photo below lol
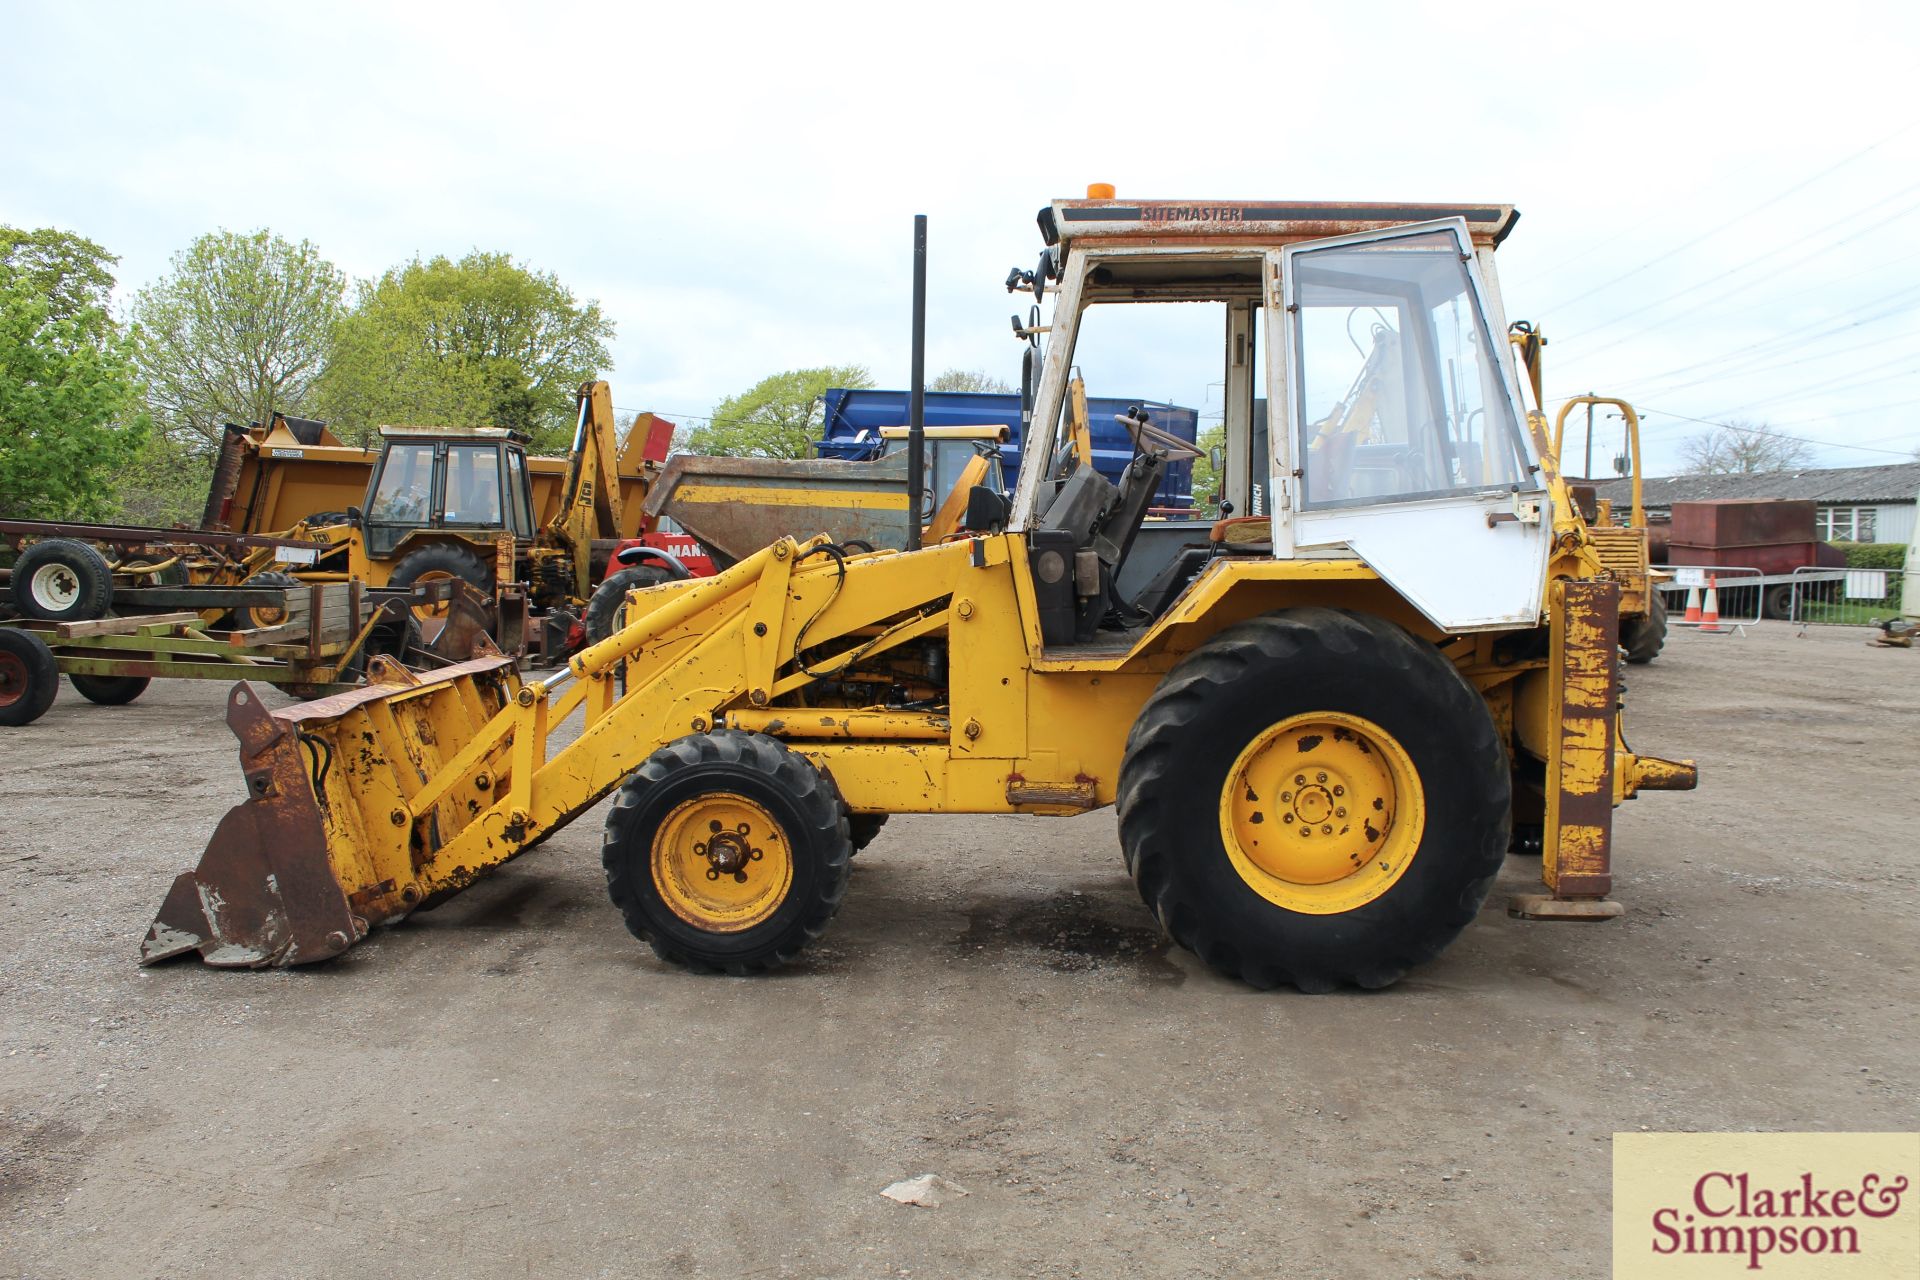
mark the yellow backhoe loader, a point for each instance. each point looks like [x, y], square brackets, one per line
[1323, 722]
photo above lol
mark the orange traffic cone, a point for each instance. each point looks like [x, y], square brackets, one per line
[1693, 605]
[1710, 613]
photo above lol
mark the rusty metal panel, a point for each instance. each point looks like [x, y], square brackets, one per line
[1583, 703]
[1271, 221]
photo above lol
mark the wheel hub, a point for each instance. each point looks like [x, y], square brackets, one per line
[1322, 812]
[721, 862]
[13, 679]
[55, 587]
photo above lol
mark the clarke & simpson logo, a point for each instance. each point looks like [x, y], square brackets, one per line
[1784, 1205]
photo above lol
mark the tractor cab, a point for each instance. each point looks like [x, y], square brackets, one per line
[470, 482]
[1358, 403]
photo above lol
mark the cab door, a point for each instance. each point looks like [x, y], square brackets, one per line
[1401, 438]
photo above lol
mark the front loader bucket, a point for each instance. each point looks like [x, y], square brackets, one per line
[330, 841]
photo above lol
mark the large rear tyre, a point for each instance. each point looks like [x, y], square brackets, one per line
[1314, 797]
[864, 828]
[1644, 637]
[110, 691]
[62, 580]
[727, 852]
[437, 562]
[29, 677]
[610, 597]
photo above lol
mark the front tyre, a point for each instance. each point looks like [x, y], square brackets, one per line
[1315, 797]
[727, 852]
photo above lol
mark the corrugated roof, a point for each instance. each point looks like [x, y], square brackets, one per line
[1896, 483]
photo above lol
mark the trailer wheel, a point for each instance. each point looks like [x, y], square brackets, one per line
[603, 611]
[1314, 797]
[62, 580]
[110, 691]
[727, 852]
[29, 677]
[1778, 601]
[1644, 637]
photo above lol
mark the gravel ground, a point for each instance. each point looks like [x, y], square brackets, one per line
[511, 1086]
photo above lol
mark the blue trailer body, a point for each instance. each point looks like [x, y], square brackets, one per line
[854, 419]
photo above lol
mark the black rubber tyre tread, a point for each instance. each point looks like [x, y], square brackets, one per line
[1250, 676]
[799, 795]
[86, 564]
[446, 557]
[864, 828]
[42, 677]
[110, 691]
[1644, 637]
[398, 641]
[243, 618]
[604, 607]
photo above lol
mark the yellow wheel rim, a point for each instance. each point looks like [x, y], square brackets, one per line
[1322, 812]
[427, 613]
[721, 862]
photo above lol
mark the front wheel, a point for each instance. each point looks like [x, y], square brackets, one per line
[727, 852]
[1315, 797]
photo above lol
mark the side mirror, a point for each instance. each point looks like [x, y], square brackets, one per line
[1216, 458]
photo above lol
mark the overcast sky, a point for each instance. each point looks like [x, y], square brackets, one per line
[1721, 202]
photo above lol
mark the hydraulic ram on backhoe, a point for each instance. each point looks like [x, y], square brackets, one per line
[1323, 726]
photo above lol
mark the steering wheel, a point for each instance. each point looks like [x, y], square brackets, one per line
[1146, 436]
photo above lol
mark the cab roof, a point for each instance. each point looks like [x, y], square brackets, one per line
[1269, 220]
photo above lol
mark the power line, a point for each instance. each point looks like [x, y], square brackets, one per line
[1741, 217]
[1822, 250]
[1781, 435]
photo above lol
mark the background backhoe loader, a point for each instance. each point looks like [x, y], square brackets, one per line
[1321, 727]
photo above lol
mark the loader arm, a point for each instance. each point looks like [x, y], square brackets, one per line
[369, 804]
[590, 503]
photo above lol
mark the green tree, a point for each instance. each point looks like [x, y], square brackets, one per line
[236, 332]
[479, 342]
[1206, 481]
[780, 416]
[71, 272]
[970, 380]
[70, 407]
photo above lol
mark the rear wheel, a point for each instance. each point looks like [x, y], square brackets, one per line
[1645, 636]
[1314, 797]
[62, 580]
[610, 597]
[726, 851]
[437, 563]
[256, 617]
[110, 691]
[29, 677]
[864, 828]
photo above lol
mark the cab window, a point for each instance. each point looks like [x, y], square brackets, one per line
[473, 485]
[1399, 392]
[405, 490]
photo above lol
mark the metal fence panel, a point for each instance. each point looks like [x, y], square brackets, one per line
[1849, 597]
[1740, 593]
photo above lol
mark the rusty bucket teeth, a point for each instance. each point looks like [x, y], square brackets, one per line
[264, 892]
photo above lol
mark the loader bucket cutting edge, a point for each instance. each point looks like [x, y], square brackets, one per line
[291, 875]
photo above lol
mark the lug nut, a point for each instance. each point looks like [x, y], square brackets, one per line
[1319, 777]
[1339, 790]
[1299, 779]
